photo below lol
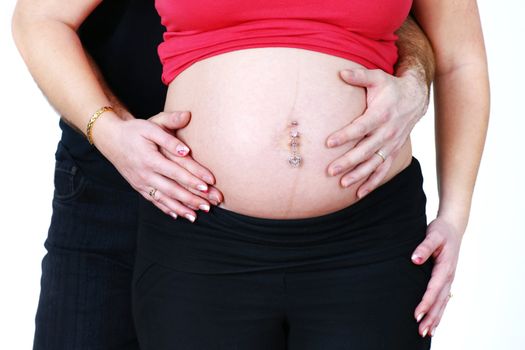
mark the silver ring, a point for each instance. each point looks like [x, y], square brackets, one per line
[152, 193]
[381, 154]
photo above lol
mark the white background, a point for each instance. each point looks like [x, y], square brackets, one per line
[487, 309]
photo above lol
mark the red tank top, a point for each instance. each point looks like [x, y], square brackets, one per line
[358, 30]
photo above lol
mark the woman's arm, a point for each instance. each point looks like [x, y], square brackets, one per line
[45, 33]
[462, 113]
[394, 106]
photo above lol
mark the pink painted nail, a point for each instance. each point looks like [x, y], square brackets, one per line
[182, 150]
[202, 188]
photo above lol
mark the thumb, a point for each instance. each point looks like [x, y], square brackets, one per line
[358, 77]
[171, 120]
[425, 249]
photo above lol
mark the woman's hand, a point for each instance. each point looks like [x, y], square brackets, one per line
[156, 164]
[394, 106]
[442, 242]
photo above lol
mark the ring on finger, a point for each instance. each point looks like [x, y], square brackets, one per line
[381, 154]
[152, 193]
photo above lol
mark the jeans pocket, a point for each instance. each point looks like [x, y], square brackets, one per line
[68, 179]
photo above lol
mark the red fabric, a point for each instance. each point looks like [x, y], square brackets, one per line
[358, 30]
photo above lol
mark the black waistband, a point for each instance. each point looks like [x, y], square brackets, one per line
[390, 220]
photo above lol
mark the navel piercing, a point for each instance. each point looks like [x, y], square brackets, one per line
[294, 159]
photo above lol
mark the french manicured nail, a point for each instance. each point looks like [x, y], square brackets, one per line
[204, 207]
[190, 217]
[202, 188]
[425, 332]
[336, 170]
[416, 258]
[420, 316]
[173, 215]
[332, 143]
[433, 331]
[182, 150]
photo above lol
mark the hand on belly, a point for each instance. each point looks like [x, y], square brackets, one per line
[243, 104]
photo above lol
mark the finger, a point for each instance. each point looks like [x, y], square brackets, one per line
[362, 171]
[425, 249]
[173, 206]
[432, 316]
[361, 77]
[175, 172]
[439, 316]
[191, 166]
[357, 155]
[435, 285]
[166, 140]
[214, 196]
[173, 190]
[159, 205]
[358, 129]
[171, 120]
[376, 178]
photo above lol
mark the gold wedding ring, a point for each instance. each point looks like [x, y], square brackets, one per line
[381, 154]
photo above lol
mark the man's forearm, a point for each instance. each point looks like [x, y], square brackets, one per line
[415, 52]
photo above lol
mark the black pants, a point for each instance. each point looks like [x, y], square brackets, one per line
[338, 281]
[85, 298]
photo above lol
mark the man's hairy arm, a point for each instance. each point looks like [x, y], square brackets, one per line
[415, 52]
[394, 105]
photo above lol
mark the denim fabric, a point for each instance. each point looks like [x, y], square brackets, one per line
[85, 299]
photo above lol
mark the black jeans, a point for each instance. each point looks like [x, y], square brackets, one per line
[85, 299]
[341, 281]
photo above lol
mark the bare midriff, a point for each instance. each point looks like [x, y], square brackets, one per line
[242, 107]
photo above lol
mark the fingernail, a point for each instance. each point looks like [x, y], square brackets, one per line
[332, 142]
[420, 316]
[362, 193]
[203, 188]
[347, 182]
[336, 170]
[182, 150]
[347, 73]
[433, 331]
[416, 258]
[215, 198]
[208, 179]
[204, 207]
[184, 114]
[190, 217]
[425, 332]
[173, 215]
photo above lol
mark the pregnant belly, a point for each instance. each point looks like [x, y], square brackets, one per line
[243, 104]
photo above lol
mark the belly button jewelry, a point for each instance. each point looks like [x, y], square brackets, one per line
[294, 159]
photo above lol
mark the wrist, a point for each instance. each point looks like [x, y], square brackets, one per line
[105, 129]
[456, 216]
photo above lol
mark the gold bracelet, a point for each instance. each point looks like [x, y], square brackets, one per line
[95, 116]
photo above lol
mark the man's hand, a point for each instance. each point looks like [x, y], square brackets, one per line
[394, 106]
[156, 164]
